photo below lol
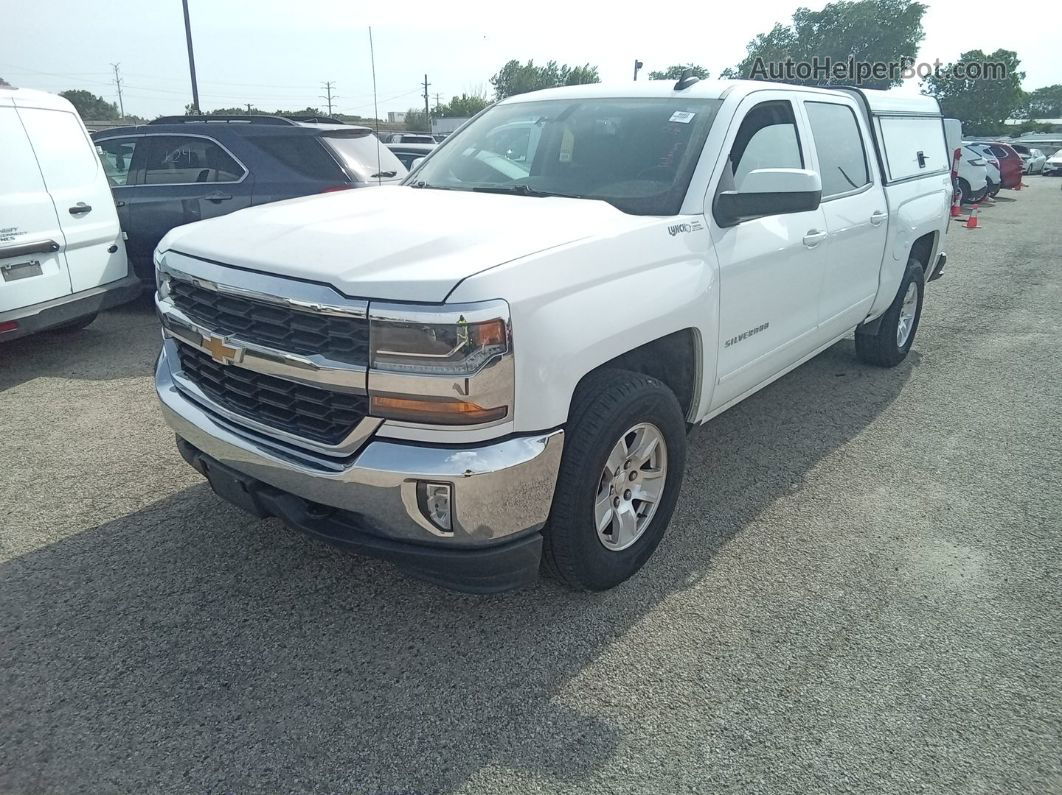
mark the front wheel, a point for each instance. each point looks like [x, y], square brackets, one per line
[624, 457]
[890, 341]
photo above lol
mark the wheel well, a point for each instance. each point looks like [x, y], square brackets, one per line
[922, 250]
[671, 359]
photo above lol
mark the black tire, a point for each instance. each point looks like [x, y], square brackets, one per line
[963, 187]
[605, 405]
[993, 188]
[980, 195]
[879, 347]
[76, 324]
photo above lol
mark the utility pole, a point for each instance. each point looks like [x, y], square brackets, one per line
[637, 65]
[328, 86]
[118, 85]
[191, 58]
[427, 113]
[436, 101]
[248, 108]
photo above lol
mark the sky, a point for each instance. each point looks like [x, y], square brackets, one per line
[277, 53]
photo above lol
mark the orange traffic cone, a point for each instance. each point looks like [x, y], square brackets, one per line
[955, 211]
[971, 222]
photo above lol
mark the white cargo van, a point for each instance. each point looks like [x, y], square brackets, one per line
[62, 258]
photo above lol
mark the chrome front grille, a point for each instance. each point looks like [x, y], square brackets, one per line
[306, 411]
[341, 338]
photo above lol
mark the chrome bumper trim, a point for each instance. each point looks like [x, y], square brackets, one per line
[500, 489]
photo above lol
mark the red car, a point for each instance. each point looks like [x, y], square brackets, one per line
[1011, 166]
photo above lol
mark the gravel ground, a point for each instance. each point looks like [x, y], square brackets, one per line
[860, 590]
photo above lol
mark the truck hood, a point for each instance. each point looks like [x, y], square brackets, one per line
[396, 243]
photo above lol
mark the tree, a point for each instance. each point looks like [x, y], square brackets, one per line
[867, 31]
[417, 120]
[89, 106]
[982, 105]
[463, 106]
[516, 78]
[1044, 103]
[676, 71]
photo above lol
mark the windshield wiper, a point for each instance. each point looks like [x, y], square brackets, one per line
[379, 174]
[519, 190]
[422, 184]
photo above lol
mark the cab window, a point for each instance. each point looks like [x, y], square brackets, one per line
[842, 156]
[767, 138]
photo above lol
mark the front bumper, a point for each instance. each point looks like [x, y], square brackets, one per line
[49, 314]
[501, 492]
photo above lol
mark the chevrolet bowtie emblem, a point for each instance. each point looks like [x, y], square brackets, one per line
[220, 352]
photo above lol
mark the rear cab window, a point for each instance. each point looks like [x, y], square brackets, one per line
[839, 144]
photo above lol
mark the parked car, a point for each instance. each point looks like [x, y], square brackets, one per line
[1053, 164]
[1009, 162]
[971, 176]
[507, 355]
[62, 259]
[409, 138]
[408, 153]
[180, 169]
[1032, 159]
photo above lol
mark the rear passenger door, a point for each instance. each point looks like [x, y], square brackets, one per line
[853, 202]
[32, 268]
[185, 178]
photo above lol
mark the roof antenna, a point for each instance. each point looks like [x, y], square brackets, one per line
[375, 109]
[685, 81]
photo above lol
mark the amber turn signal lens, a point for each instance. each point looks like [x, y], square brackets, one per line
[441, 412]
[490, 333]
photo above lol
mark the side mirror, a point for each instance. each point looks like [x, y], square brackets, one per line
[769, 191]
[416, 163]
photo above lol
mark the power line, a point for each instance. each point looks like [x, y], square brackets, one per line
[328, 86]
[118, 85]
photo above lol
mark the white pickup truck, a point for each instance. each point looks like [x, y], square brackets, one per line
[495, 365]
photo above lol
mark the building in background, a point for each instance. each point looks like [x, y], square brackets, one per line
[440, 128]
[396, 116]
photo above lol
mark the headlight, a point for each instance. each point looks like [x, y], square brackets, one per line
[455, 348]
[441, 365]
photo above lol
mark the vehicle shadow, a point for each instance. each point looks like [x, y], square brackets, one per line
[120, 343]
[187, 646]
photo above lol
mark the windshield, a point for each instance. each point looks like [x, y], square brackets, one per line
[638, 154]
[359, 156]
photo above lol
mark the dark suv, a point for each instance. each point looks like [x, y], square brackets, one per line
[180, 169]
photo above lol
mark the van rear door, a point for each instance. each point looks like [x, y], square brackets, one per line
[80, 194]
[32, 267]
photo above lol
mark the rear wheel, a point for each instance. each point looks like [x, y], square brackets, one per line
[993, 188]
[624, 455]
[890, 340]
[963, 187]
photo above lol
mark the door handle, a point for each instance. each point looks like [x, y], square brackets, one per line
[217, 196]
[80, 208]
[119, 203]
[877, 217]
[21, 250]
[813, 237]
